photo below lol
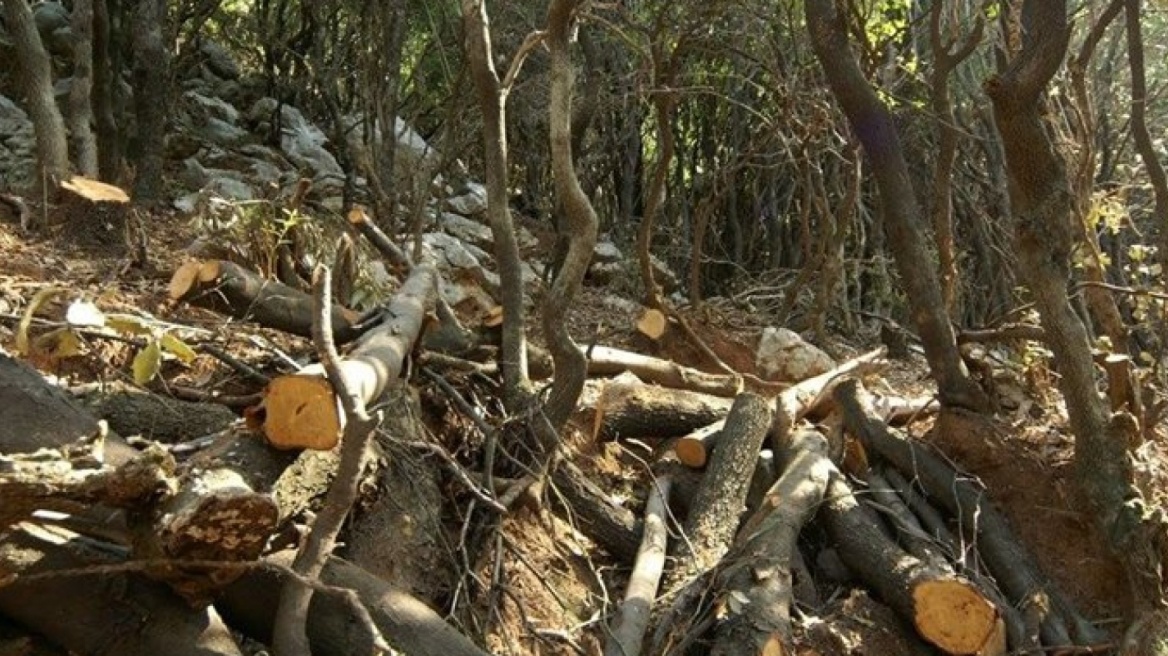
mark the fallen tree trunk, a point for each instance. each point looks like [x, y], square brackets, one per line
[637, 410]
[628, 629]
[132, 412]
[1011, 564]
[947, 610]
[805, 398]
[608, 361]
[301, 409]
[587, 507]
[758, 571]
[405, 622]
[100, 613]
[230, 289]
[720, 500]
[38, 415]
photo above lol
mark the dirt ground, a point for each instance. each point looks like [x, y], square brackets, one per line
[559, 588]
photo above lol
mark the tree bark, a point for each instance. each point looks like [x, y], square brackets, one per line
[151, 74]
[106, 70]
[301, 409]
[636, 410]
[37, 74]
[721, 499]
[874, 128]
[1041, 204]
[1011, 564]
[947, 610]
[493, 106]
[1139, 123]
[230, 289]
[405, 621]
[761, 563]
[101, 614]
[578, 227]
[628, 629]
[80, 101]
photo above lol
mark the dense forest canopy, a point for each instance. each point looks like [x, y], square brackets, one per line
[951, 174]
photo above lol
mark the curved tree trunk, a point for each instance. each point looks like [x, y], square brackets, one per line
[1042, 206]
[873, 126]
[579, 222]
[493, 103]
[37, 74]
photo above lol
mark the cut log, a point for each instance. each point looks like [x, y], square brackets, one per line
[1011, 564]
[628, 629]
[132, 412]
[608, 361]
[687, 481]
[758, 572]
[721, 499]
[38, 415]
[811, 398]
[100, 613]
[637, 410]
[652, 323]
[71, 479]
[693, 450]
[947, 610]
[301, 410]
[406, 622]
[586, 506]
[230, 289]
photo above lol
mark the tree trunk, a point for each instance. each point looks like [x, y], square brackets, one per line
[106, 69]
[1041, 204]
[80, 105]
[493, 105]
[1139, 123]
[37, 75]
[873, 125]
[151, 77]
[579, 222]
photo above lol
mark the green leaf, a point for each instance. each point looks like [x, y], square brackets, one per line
[147, 363]
[178, 348]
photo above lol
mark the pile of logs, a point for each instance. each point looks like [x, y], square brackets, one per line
[745, 465]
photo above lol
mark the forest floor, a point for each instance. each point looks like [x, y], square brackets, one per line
[560, 586]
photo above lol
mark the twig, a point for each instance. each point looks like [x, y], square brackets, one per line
[290, 637]
[461, 474]
[246, 370]
[628, 629]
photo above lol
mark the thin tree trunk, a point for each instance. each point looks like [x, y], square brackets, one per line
[37, 75]
[80, 104]
[873, 125]
[579, 222]
[493, 105]
[106, 64]
[1139, 123]
[945, 59]
[151, 96]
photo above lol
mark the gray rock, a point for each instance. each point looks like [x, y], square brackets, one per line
[228, 187]
[466, 229]
[784, 355]
[213, 106]
[606, 252]
[301, 141]
[219, 59]
[472, 200]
